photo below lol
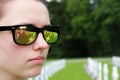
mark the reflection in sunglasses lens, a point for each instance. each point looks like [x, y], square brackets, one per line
[24, 37]
[50, 36]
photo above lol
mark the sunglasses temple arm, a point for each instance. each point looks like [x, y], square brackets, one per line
[5, 28]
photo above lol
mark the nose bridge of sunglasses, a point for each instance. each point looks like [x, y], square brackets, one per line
[40, 36]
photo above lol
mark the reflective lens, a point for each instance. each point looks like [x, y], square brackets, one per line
[24, 36]
[27, 34]
[50, 36]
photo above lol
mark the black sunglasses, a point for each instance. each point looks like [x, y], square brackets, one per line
[27, 34]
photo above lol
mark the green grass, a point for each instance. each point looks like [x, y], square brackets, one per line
[110, 71]
[75, 70]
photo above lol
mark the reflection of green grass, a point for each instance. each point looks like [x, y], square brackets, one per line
[73, 71]
[110, 71]
[50, 36]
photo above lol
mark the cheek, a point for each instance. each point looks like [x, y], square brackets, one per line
[8, 49]
[12, 57]
[6, 39]
[8, 54]
[5, 45]
[46, 52]
[8, 59]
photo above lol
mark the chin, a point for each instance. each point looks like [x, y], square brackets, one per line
[33, 73]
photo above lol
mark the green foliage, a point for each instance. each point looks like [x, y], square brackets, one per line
[87, 30]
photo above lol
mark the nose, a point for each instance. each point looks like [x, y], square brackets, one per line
[40, 43]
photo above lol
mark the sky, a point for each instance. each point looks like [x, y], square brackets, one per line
[56, 0]
[48, 0]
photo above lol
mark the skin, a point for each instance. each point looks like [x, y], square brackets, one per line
[15, 61]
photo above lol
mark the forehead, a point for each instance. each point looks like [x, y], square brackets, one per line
[26, 9]
[24, 3]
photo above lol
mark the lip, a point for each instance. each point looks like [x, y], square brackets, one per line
[37, 60]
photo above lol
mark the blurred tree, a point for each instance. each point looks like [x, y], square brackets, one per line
[93, 26]
[87, 29]
[59, 16]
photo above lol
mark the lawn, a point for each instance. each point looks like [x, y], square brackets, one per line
[75, 70]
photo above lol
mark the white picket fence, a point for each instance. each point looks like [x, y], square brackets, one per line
[116, 61]
[49, 69]
[96, 69]
[92, 68]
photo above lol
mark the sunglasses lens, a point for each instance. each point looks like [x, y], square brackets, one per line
[50, 36]
[24, 36]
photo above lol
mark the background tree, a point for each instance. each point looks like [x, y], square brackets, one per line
[87, 29]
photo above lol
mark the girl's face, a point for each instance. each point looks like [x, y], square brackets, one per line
[17, 60]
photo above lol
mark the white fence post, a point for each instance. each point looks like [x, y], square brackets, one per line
[115, 74]
[95, 69]
[49, 69]
[99, 71]
[116, 61]
[30, 78]
[92, 68]
[105, 71]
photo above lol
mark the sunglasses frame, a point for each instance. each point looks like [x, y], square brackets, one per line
[34, 29]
